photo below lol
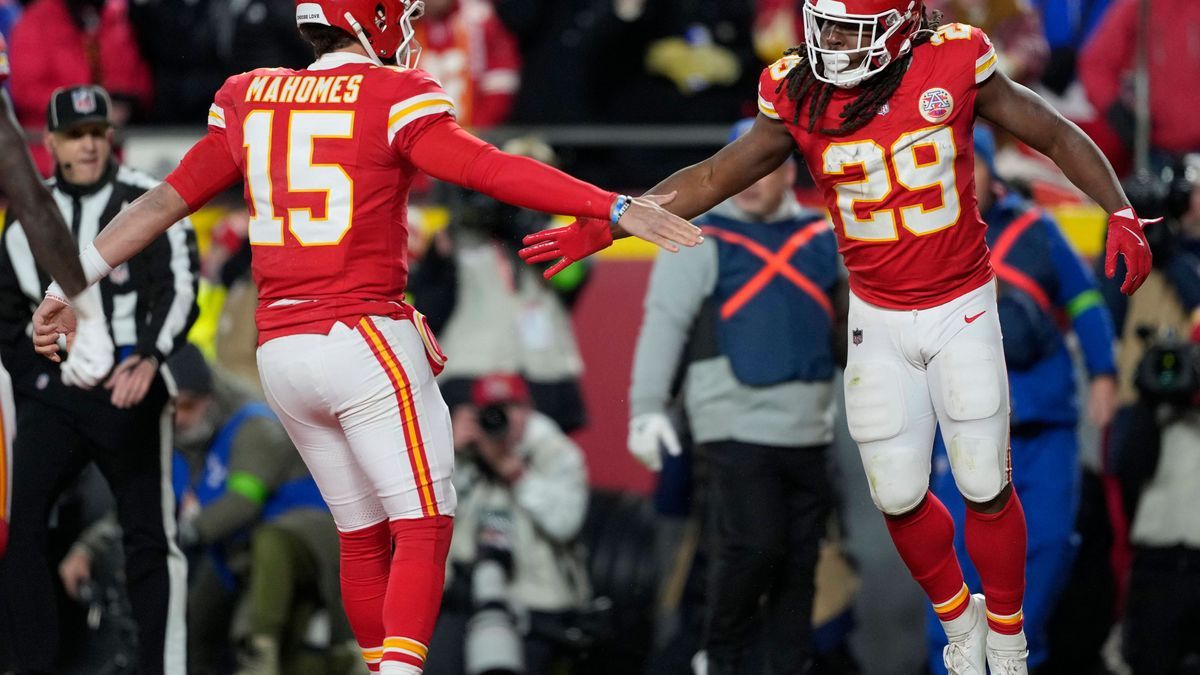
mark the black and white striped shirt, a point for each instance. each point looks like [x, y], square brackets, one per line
[150, 300]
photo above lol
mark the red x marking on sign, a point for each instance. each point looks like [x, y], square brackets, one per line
[774, 264]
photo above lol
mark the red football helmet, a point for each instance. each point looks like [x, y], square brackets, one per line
[384, 27]
[871, 34]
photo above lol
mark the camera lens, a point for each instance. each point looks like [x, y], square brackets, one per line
[493, 420]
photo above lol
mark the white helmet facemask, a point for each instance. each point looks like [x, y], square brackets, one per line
[409, 51]
[873, 30]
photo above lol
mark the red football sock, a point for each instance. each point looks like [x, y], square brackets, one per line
[925, 541]
[414, 594]
[996, 544]
[3, 537]
[365, 562]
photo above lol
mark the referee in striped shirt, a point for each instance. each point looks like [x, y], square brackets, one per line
[124, 427]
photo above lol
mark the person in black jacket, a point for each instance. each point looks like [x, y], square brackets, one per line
[125, 426]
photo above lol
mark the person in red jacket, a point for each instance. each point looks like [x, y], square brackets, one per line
[466, 47]
[1106, 71]
[59, 43]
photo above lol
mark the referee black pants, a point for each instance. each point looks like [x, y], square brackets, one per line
[767, 508]
[132, 449]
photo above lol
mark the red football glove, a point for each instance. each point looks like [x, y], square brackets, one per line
[1125, 237]
[569, 244]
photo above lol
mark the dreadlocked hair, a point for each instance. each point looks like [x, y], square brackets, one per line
[801, 84]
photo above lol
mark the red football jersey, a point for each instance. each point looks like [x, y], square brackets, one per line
[901, 190]
[324, 155]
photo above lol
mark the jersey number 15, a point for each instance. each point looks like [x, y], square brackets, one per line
[302, 175]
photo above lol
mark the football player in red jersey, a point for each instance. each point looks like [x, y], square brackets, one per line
[880, 100]
[54, 249]
[327, 154]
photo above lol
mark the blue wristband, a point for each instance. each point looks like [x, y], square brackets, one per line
[619, 207]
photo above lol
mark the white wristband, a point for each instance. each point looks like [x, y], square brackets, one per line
[94, 266]
[87, 304]
[55, 292]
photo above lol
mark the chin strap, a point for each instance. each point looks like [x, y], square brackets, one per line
[362, 39]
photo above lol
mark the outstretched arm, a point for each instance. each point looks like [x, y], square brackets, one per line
[737, 166]
[1025, 115]
[139, 224]
[448, 152]
[49, 238]
[689, 193]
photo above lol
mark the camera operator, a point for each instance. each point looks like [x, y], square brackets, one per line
[1159, 451]
[516, 584]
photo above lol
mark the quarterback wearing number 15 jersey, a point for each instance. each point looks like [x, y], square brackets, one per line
[900, 189]
[324, 154]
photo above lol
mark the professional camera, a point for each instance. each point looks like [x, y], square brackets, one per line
[493, 420]
[1163, 194]
[1169, 371]
[493, 643]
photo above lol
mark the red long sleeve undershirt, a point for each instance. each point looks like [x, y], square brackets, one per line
[445, 151]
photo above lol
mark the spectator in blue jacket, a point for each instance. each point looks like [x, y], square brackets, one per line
[10, 11]
[1045, 290]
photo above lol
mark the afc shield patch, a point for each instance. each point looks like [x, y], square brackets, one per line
[936, 105]
[856, 336]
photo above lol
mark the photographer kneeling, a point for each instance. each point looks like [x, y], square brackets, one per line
[516, 582]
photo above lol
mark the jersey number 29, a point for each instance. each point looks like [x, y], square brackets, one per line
[302, 175]
[912, 173]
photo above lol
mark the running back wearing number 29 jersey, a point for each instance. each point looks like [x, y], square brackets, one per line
[901, 189]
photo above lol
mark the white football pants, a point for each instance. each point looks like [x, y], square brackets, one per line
[364, 411]
[908, 371]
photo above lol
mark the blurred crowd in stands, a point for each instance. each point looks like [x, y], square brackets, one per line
[573, 581]
[528, 62]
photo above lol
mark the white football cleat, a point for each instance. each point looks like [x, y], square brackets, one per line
[965, 653]
[1008, 659]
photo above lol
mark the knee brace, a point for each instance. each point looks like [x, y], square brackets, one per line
[898, 476]
[897, 468]
[980, 465]
[975, 427]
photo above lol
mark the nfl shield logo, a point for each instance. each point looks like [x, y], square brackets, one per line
[83, 101]
[856, 336]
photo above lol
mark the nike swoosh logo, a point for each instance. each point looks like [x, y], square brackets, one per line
[1137, 236]
[971, 319]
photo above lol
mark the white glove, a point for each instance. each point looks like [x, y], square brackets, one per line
[91, 355]
[648, 433]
